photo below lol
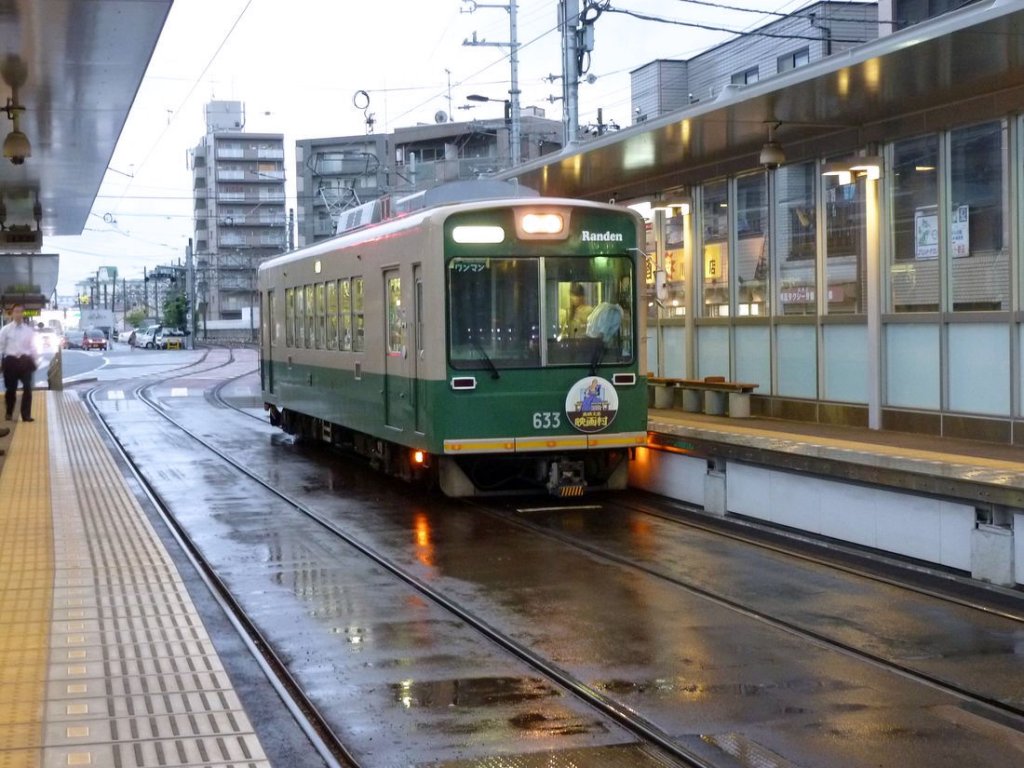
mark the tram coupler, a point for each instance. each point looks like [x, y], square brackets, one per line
[566, 478]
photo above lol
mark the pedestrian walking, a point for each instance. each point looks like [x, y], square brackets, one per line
[18, 360]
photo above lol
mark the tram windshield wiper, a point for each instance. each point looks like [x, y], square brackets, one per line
[598, 356]
[487, 358]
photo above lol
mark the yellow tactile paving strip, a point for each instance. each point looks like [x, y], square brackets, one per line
[26, 590]
[117, 666]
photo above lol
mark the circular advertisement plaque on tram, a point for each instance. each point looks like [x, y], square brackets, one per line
[591, 404]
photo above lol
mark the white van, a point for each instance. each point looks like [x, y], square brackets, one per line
[146, 337]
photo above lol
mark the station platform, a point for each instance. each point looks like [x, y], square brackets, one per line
[103, 657]
[974, 470]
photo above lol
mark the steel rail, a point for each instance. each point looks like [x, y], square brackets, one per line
[301, 708]
[630, 721]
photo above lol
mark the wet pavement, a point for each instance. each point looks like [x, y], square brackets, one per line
[401, 677]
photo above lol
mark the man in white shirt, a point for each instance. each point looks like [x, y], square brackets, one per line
[18, 351]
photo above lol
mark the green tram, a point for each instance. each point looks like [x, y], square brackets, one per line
[490, 346]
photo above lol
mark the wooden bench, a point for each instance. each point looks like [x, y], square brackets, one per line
[708, 395]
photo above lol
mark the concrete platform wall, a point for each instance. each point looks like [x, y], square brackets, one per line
[940, 531]
[1018, 525]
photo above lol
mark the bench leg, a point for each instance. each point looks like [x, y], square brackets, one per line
[739, 405]
[714, 403]
[663, 396]
[693, 400]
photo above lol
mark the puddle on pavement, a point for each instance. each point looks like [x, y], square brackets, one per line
[471, 692]
[690, 689]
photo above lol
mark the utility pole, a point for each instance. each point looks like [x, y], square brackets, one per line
[513, 45]
[190, 297]
[568, 23]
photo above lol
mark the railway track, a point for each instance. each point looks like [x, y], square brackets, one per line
[968, 689]
[303, 706]
[614, 702]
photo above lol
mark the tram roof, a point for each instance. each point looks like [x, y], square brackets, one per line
[930, 76]
[83, 64]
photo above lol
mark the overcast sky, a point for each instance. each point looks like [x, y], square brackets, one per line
[296, 65]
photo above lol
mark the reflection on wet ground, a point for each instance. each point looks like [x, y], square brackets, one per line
[368, 646]
[471, 692]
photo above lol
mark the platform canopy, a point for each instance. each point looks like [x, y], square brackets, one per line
[968, 62]
[75, 68]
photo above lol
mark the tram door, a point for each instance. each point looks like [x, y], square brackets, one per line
[418, 342]
[396, 383]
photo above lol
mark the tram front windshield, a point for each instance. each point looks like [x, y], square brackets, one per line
[537, 312]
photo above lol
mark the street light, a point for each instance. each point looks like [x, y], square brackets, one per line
[508, 119]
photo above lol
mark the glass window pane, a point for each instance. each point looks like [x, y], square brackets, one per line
[358, 328]
[845, 265]
[396, 327]
[752, 265]
[796, 239]
[978, 221]
[345, 289]
[715, 261]
[289, 317]
[332, 315]
[589, 302]
[320, 315]
[675, 272]
[310, 316]
[494, 307]
[495, 311]
[914, 272]
[300, 317]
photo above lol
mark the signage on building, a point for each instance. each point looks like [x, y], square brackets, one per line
[926, 233]
[805, 294]
[959, 236]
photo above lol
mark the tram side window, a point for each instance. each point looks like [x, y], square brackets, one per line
[359, 331]
[289, 317]
[300, 314]
[310, 315]
[396, 326]
[332, 315]
[345, 291]
[321, 309]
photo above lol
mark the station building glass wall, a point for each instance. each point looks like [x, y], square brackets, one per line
[778, 262]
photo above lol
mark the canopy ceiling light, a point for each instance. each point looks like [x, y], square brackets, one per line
[16, 146]
[772, 155]
[672, 204]
[870, 166]
[841, 171]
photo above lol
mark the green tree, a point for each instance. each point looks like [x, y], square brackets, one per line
[135, 318]
[175, 311]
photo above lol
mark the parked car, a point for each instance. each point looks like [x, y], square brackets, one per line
[170, 338]
[146, 337]
[94, 339]
[73, 339]
[124, 336]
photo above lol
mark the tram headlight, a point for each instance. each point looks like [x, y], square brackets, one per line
[548, 223]
[543, 223]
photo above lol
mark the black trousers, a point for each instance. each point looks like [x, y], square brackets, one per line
[18, 369]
